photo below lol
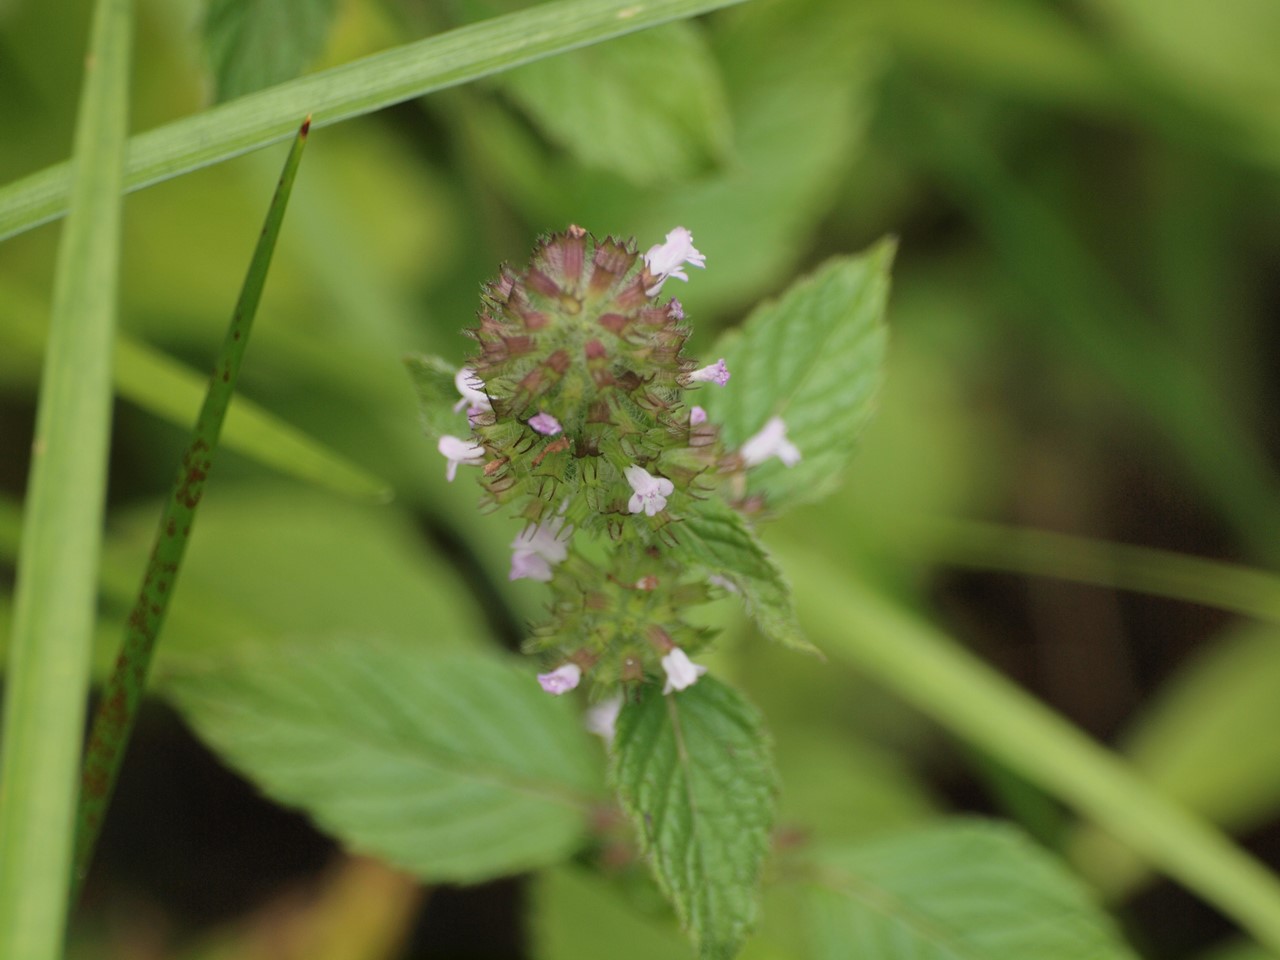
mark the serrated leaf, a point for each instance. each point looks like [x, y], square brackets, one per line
[456, 768]
[254, 44]
[814, 357]
[980, 891]
[717, 538]
[694, 774]
[650, 106]
[433, 382]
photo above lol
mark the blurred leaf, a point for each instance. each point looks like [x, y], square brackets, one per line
[576, 915]
[433, 382]
[372, 83]
[649, 106]
[694, 775]
[973, 890]
[717, 538]
[815, 358]
[1200, 742]
[457, 768]
[252, 44]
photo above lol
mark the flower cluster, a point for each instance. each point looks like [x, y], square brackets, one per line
[580, 417]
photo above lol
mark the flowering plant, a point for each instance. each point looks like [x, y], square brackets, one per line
[585, 417]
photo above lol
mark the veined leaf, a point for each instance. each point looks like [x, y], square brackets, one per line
[815, 358]
[457, 768]
[973, 890]
[718, 538]
[252, 44]
[650, 106]
[695, 777]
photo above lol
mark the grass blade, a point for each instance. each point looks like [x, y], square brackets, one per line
[118, 706]
[353, 89]
[57, 583]
[976, 703]
[1162, 573]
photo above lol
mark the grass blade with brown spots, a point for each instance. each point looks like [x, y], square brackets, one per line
[118, 706]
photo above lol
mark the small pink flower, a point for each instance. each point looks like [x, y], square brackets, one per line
[561, 680]
[771, 441]
[538, 549]
[680, 670]
[716, 373]
[602, 718]
[675, 309]
[458, 451]
[473, 396]
[697, 417]
[545, 424]
[668, 259]
[651, 492]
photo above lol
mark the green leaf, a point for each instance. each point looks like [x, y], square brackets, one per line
[252, 44]
[815, 358]
[717, 538]
[973, 890]
[649, 107]
[55, 594]
[694, 774]
[456, 768]
[351, 90]
[433, 382]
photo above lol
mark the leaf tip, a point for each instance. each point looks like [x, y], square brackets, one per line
[305, 128]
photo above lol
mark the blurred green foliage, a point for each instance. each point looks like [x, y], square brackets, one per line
[1081, 339]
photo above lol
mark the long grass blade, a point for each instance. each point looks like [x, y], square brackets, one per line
[353, 89]
[1163, 573]
[117, 708]
[57, 583]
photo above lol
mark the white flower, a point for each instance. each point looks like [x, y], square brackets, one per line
[771, 441]
[473, 396]
[668, 259]
[716, 373]
[538, 549]
[681, 671]
[601, 718]
[458, 451]
[650, 492]
[561, 679]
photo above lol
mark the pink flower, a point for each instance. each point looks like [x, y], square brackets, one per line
[473, 396]
[545, 424]
[668, 259]
[458, 451]
[561, 680]
[771, 441]
[538, 549]
[651, 492]
[697, 416]
[680, 670]
[716, 373]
